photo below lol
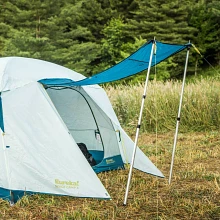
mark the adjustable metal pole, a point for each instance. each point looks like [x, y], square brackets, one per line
[178, 117]
[139, 123]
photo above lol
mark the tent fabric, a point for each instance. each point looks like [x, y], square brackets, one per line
[135, 63]
[19, 71]
[142, 161]
[42, 156]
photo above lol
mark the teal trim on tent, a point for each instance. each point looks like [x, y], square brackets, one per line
[110, 163]
[1, 115]
[106, 164]
[60, 82]
[135, 63]
[13, 195]
[97, 155]
[56, 81]
[6, 194]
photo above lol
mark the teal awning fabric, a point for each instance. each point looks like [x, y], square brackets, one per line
[135, 63]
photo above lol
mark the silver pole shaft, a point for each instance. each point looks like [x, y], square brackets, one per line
[139, 124]
[178, 117]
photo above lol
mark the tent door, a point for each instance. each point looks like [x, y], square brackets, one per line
[79, 118]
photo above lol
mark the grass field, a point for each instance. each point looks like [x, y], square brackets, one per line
[193, 194]
[200, 107]
[195, 189]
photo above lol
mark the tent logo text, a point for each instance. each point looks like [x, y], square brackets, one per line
[66, 184]
[109, 161]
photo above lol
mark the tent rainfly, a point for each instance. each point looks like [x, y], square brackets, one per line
[42, 118]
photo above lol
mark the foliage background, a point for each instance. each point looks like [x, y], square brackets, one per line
[89, 36]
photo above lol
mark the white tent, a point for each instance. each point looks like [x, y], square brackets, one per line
[41, 124]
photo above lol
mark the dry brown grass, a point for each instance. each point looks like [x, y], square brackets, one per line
[200, 107]
[193, 194]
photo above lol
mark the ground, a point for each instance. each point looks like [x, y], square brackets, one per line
[194, 192]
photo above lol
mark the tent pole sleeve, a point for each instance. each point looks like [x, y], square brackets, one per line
[139, 123]
[178, 117]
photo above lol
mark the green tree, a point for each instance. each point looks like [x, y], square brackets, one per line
[205, 17]
[90, 36]
[168, 22]
[28, 33]
[123, 9]
[77, 47]
[7, 9]
[95, 15]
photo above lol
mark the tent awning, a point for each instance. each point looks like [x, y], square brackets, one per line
[135, 63]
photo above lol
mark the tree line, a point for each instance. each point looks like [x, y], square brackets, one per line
[89, 36]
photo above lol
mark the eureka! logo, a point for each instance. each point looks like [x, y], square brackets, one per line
[66, 184]
[110, 161]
